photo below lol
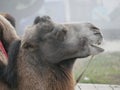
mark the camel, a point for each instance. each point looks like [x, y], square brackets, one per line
[44, 57]
[7, 31]
[7, 35]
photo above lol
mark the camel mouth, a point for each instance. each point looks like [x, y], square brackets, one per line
[96, 45]
[96, 48]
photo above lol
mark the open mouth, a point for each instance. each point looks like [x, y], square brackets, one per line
[95, 49]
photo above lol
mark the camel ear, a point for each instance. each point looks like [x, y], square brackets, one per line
[37, 19]
[41, 19]
[94, 50]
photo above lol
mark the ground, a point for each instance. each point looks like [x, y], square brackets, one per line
[96, 87]
[104, 69]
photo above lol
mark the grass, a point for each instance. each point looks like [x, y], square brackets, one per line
[104, 69]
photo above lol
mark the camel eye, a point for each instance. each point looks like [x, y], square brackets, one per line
[61, 35]
[27, 45]
[64, 31]
[94, 28]
[96, 33]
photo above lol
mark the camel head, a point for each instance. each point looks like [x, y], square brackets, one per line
[51, 42]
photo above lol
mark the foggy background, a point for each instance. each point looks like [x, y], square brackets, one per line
[103, 13]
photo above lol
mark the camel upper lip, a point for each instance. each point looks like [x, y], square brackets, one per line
[97, 45]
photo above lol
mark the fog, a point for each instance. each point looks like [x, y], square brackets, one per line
[111, 46]
[103, 13]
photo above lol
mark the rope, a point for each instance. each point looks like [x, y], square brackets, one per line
[3, 54]
[80, 76]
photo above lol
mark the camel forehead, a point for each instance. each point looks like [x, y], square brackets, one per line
[36, 33]
[41, 29]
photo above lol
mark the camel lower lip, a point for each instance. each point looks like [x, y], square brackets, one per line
[96, 45]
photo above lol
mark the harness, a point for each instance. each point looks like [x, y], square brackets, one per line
[3, 54]
[80, 76]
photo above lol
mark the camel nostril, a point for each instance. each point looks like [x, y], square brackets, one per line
[94, 28]
[97, 33]
[99, 42]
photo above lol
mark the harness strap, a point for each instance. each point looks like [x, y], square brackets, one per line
[80, 76]
[2, 49]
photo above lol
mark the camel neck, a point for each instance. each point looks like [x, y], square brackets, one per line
[49, 78]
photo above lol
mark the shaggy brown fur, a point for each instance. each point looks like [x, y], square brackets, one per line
[44, 58]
